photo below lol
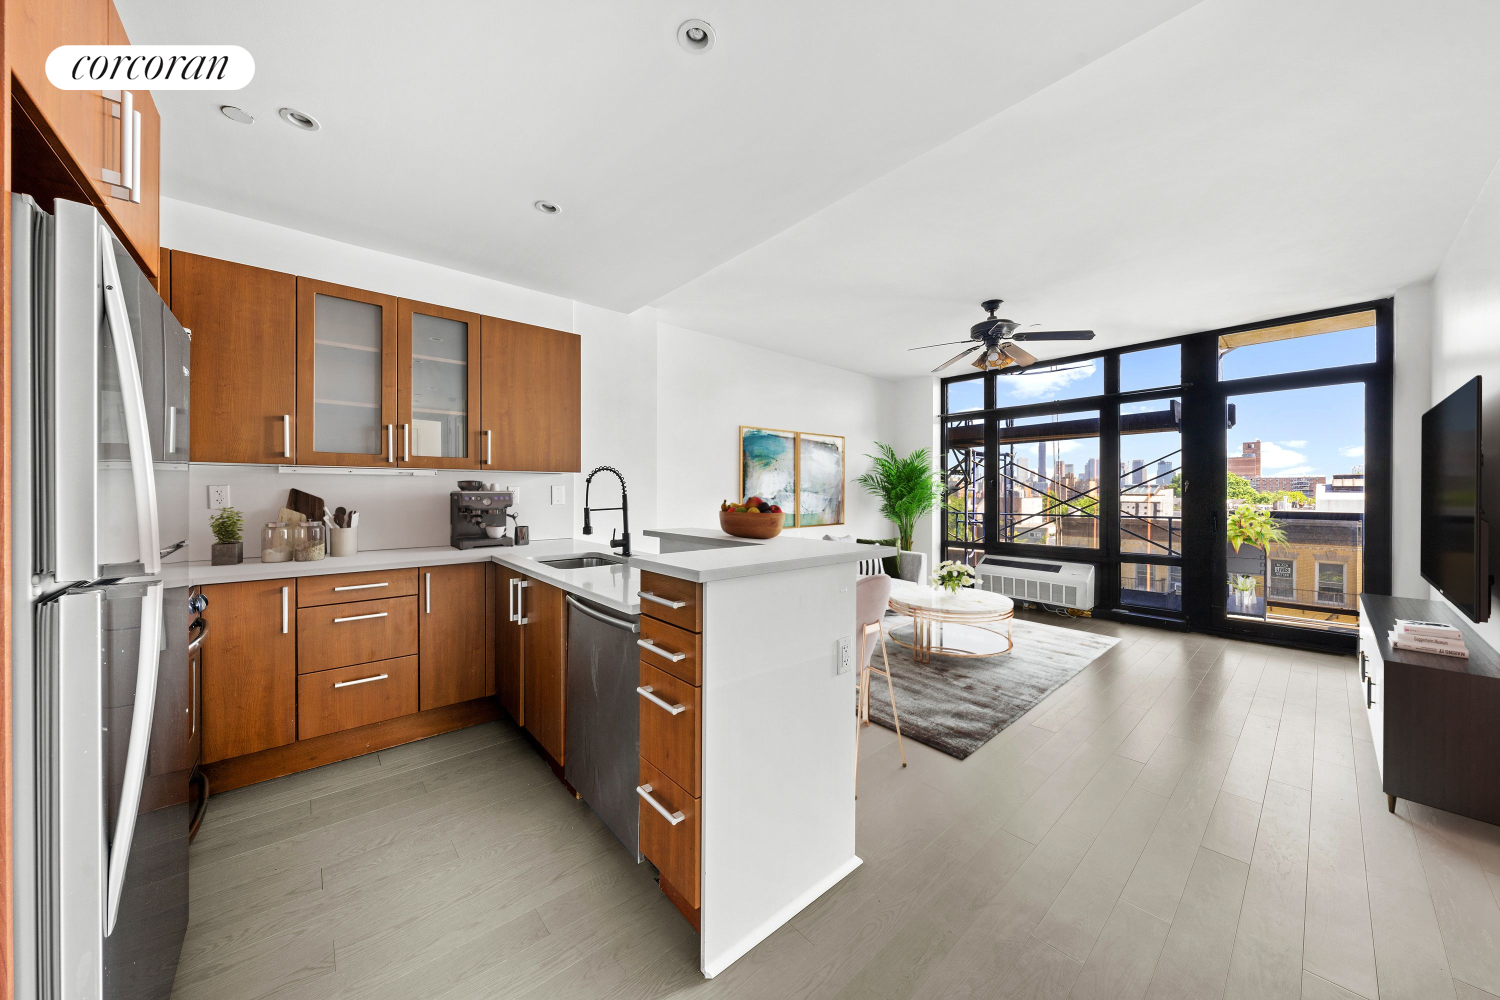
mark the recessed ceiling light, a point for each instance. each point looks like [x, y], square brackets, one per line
[294, 117]
[546, 207]
[695, 35]
[234, 114]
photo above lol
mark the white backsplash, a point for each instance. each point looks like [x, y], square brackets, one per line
[395, 512]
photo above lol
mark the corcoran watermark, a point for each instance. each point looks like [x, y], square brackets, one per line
[150, 67]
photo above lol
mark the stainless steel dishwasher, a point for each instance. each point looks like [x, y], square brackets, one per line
[603, 720]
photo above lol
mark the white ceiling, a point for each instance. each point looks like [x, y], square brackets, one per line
[841, 186]
[443, 123]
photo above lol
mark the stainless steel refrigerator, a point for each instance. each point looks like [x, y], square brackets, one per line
[106, 692]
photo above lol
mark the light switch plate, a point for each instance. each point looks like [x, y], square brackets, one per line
[559, 495]
[515, 494]
[844, 655]
[218, 497]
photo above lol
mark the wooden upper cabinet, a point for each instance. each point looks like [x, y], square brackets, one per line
[532, 396]
[452, 626]
[77, 120]
[138, 221]
[439, 387]
[249, 668]
[244, 384]
[347, 371]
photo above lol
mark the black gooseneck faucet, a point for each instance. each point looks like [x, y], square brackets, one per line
[623, 542]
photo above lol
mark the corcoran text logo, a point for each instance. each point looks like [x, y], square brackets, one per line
[150, 67]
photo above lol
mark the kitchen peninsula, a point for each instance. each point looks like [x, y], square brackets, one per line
[747, 745]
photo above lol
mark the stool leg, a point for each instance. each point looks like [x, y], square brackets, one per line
[890, 686]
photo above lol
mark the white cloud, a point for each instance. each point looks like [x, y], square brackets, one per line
[1354, 451]
[1299, 445]
[1297, 470]
[1276, 457]
[1039, 383]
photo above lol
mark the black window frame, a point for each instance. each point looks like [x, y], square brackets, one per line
[1203, 468]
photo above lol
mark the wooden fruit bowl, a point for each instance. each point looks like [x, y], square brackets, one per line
[748, 525]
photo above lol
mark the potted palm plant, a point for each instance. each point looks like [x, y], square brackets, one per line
[908, 488]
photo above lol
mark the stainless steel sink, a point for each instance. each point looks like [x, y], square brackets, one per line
[581, 562]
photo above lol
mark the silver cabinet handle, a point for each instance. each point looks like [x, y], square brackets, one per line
[644, 791]
[360, 618]
[362, 586]
[202, 633]
[127, 141]
[285, 621]
[171, 429]
[648, 692]
[513, 615]
[487, 441]
[135, 157]
[521, 586]
[661, 600]
[286, 436]
[406, 442]
[390, 442]
[663, 653]
[429, 592]
[362, 680]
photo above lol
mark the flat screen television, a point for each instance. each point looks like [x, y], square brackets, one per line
[1455, 539]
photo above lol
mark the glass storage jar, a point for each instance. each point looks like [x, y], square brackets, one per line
[276, 542]
[309, 542]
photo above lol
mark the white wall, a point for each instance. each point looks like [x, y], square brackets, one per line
[915, 425]
[661, 404]
[1466, 342]
[708, 387]
[1412, 398]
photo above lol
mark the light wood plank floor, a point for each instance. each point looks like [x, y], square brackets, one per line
[1188, 817]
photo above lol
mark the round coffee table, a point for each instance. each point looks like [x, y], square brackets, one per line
[929, 606]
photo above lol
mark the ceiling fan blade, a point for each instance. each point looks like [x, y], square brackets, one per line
[1019, 355]
[958, 357]
[946, 343]
[1055, 335]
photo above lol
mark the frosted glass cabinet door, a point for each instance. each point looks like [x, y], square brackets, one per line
[346, 367]
[439, 388]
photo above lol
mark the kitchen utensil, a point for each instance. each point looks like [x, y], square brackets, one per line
[341, 517]
[523, 534]
[471, 484]
[306, 504]
[494, 530]
[343, 542]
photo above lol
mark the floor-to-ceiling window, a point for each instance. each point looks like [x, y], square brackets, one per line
[1151, 461]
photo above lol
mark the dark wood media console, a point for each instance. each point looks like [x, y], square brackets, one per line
[1435, 719]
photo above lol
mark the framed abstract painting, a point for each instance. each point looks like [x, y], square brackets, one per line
[820, 479]
[768, 468]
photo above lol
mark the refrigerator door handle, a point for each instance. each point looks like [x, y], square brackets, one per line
[147, 664]
[142, 471]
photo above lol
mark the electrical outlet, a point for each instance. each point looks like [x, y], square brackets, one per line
[559, 495]
[515, 494]
[843, 660]
[218, 497]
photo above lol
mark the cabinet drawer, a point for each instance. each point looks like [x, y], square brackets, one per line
[315, 590]
[337, 635]
[667, 644]
[666, 591]
[333, 700]
[673, 849]
[672, 743]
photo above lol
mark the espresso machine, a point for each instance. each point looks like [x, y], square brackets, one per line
[476, 515]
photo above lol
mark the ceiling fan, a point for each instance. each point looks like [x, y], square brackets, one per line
[998, 337]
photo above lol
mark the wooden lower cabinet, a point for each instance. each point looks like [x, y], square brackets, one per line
[672, 848]
[672, 741]
[544, 648]
[331, 701]
[452, 626]
[338, 635]
[509, 667]
[249, 668]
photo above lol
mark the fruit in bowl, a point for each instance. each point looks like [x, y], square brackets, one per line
[755, 518]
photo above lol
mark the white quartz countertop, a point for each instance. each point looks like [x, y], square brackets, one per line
[720, 557]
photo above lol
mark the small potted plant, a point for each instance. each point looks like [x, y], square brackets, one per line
[952, 576]
[228, 548]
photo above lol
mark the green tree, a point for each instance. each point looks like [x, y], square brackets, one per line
[1083, 503]
[1239, 488]
[908, 487]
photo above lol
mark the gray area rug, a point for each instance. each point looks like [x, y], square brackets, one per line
[957, 704]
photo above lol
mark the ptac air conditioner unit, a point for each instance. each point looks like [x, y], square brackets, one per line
[1060, 584]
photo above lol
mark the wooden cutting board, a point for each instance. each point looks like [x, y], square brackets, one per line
[306, 504]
